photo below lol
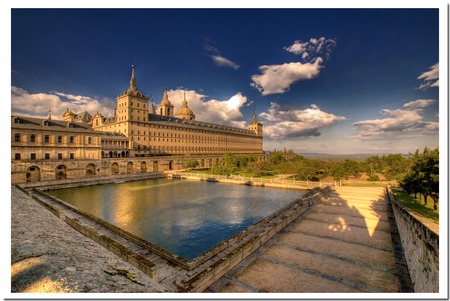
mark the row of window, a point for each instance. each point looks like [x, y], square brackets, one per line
[18, 156]
[194, 148]
[125, 104]
[47, 138]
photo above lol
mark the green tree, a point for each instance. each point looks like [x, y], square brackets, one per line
[190, 163]
[423, 176]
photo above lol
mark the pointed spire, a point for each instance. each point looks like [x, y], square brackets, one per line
[49, 114]
[133, 87]
[165, 100]
[184, 103]
[151, 107]
[254, 113]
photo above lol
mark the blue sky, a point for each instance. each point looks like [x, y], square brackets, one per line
[338, 80]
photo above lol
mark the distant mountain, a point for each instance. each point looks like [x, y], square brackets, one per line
[341, 156]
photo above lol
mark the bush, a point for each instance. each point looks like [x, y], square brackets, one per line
[374, 178]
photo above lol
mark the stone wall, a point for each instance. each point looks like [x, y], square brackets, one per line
[27, 171]
[420, 241]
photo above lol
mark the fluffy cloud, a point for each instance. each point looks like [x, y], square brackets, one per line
[226, 112]
[312, 49]
[430, 78]
[419, 103]
[407, 122]
[290, 122]
[277, 79]
[38, 104]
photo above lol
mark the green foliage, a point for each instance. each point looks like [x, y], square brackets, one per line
[423, 175]
[414, 204]
[190, 163]
[374, 178]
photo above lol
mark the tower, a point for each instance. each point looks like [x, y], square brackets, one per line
[255, 125]
[165, 108]
[184, 112]
[132, 104]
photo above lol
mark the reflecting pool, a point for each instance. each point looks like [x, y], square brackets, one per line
[184, 217]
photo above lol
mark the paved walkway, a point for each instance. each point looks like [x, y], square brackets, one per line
[48, 256]
[342, 245]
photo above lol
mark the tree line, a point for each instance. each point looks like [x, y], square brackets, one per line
[417, 173]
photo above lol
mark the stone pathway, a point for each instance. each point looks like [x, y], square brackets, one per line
[48, 256]
[342, 245]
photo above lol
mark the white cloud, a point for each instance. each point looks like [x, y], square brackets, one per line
[224, 62]
[214, 53]
[38, 104]
[227, 112]
[276, 79]
[398, 124]
[430, 78]
[312, 49]
[419, 103]
[289, 122]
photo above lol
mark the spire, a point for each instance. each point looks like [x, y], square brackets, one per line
[184, 112]
[133, 87]
[151, 108]
[49, 114]
[165, 100]
[255, 119]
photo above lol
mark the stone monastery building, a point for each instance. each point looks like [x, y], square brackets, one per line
[137, 139]
[167, 131]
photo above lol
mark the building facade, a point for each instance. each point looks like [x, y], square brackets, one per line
[162, 131]
[137, 139]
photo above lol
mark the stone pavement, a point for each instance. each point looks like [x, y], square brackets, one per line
[342, 245]
[48, 256]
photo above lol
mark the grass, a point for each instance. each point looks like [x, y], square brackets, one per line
[417, 205]
[364, 184]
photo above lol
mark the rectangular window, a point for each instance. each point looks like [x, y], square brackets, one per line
[17, 156]
[47, 156]
[89, 140]
[32, 156]
[59, 156]
[71, 139]
[59, 139]
[46, 138]
[72, 156]
[32, 138]
[17, 137]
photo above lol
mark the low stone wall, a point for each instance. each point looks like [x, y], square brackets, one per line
[420, 241]
[260, 234]
[134, 259]
[89, 181]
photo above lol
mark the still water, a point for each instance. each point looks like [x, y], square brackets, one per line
[186, 218]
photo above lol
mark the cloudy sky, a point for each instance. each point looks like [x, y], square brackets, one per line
[339, 81]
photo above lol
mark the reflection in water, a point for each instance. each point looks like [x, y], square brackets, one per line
[187, 218]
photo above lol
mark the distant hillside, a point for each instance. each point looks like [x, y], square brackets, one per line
[340, 157]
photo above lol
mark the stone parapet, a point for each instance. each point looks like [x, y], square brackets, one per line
[420, 241]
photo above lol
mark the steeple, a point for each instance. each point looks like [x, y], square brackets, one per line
[184, 112]
[165, 108]
[255, 119]
[255, 125]
[151, 107]
[165, 100]
[133, 87]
